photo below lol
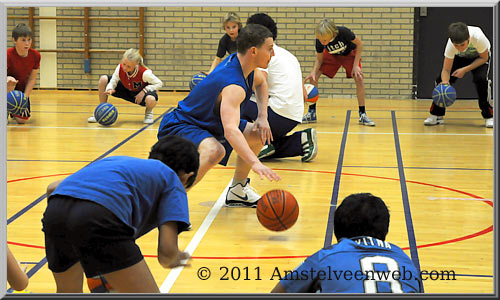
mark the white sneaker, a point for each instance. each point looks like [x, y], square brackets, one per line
[489, 123]
[364, 120]
[149, 118]
[242, 195]
[92, 120]
[434, 120]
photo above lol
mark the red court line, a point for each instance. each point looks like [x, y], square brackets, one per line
[37, 177]
[466, 237]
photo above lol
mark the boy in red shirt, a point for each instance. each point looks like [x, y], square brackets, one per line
[22, 66]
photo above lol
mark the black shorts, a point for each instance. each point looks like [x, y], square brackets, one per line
[126, 94]
[86, 232]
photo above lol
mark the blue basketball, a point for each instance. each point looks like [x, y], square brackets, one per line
[444, 95]
[16, 102]
[196, 79]
[105, 114]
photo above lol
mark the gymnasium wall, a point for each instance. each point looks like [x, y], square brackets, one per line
[181, 41]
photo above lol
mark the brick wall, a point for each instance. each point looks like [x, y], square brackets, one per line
[181, 41]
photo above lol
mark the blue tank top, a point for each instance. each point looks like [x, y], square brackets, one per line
[200, 106]
[357, 265]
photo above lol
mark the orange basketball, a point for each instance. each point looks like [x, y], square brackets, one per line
[277, 210]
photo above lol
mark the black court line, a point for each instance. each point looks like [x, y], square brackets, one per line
[32, 204]
[336, 184]
[406, 202]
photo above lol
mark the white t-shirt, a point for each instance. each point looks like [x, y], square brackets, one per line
[284, 80]
[478, 44]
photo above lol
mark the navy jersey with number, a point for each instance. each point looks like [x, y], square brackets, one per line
[356, 265]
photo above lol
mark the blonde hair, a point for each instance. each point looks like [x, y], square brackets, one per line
[134, 55]
[231, 17]
[326, 28]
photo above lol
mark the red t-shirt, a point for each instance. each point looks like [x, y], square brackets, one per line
[20, 67]
[134, 82]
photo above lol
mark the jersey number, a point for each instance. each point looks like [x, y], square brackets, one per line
[367, 267]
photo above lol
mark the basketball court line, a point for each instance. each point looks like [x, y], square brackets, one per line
[453, 198]
[319, 132]
[195, 241]
[336, 184]
[406, 202]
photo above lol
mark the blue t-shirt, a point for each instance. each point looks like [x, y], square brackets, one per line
[143, 193]
[356, 265]
[200, 107]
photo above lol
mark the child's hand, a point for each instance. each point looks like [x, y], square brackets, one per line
[357, 73]
[109, 92]
[181, 260]
[11, 83]
[138, 97]
[312, 79]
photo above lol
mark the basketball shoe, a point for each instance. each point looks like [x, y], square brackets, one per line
[92, 120]
[266, 151]
[309, 141]
[149, 118]
[434, 120]
[489, 123]
[310, 117]
[242, 195]
[364, 120]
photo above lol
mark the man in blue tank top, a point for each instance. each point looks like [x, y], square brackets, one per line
[94, 216]
[210, 115]
[361, 262]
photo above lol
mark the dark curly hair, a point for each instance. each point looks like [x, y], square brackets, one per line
[264, 20]
[179, 154]
[361, 215]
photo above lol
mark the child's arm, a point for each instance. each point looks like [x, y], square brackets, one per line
[356, 70]
[313, 76]
[169, 255]
[215, 63]
[154, 83]
[479, 61]
[16, 277]
[114, 80]
[31, 82]
[446, 70]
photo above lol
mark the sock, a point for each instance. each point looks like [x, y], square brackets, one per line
[362, 110]
[236, 181]
[312, 107]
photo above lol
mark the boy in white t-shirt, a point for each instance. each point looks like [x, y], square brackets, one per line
[286, 103]
[468, 49]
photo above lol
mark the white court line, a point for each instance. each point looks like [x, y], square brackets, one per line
[319, 132]
[174, 273]
[407, 133]
[451, 198]
[82, 128]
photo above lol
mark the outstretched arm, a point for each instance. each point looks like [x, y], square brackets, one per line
[16, 277]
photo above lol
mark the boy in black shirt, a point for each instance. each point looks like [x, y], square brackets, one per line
[335, 47]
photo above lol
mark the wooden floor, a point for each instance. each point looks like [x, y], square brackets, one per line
[448, 172]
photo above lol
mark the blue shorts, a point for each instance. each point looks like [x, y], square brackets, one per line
[171, 125]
